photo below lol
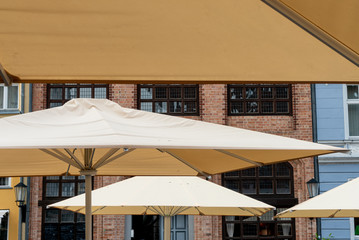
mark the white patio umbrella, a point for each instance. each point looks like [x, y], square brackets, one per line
[93, 136]
[339, 202]
[166, 196]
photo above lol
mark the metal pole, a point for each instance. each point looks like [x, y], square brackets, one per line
[88, 203]
[19, 231]
[167, 227]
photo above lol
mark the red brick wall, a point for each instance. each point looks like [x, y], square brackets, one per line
[213, 108]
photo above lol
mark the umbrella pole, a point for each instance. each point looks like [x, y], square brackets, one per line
[88, 203]
[167, 227]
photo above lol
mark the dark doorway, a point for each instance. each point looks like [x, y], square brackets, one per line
[145, 227]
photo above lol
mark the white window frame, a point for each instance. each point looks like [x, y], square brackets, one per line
[346, 102]
[8, 185]
[6, 211]
[5, 101]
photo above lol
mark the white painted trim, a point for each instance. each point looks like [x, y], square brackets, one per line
[346, 101]
[5, 102]
[8, 185]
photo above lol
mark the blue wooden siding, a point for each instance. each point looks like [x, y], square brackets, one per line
[330, 112]
[332, 175]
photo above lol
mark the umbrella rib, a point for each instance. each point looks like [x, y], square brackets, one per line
[180, 209]
[74, 158]
[61, 156]
[106, 161]
[185, 162]
[240, 157]
[155, 210]
[109, 153]
[333, 215]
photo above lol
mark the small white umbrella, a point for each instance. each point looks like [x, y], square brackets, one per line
[338, 202]
[166, 196]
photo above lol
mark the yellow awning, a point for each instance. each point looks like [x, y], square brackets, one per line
[133, 41]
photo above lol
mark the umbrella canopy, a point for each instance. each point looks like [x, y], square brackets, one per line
[92, 136]
[166, 196]
[161, 41]
[338, 202]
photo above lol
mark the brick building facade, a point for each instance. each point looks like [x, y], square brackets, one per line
[213, 107]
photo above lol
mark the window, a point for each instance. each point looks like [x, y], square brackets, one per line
[58, 94]
[4, 224]
[259, 99]
[5, 182]
[61, 224]
[272, 184]
[169, 99]
[9, 97]
[352, 102]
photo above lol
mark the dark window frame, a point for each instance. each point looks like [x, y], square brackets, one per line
[78, 86]
[277, 200]
[168, 99]
[260, 100]
[47, 200]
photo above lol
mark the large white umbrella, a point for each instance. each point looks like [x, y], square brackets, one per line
[339, 202]
[92, 136]
[166, 196]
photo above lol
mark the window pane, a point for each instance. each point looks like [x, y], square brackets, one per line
[232, 174]
[266, 171]
[267, 92]
[353, 112]
[4, 181]
[51, 231]
[55, 105]
[160, 92]
[67, 231]
[56, 93]
[52, 178]
[146, 93]
[282, 92]
[250, 229]
[283, 187]
[282, 107]
[252, 107]
[284, 229]
[85, 93]
[249, 187]
[236, 107]
[70, 93]
[266, 187]
[175, 107]
[352, 92]
[175, 93]
[190, 107]
[189, 92]
[236, 93]
[100, 93]
[267, 107]
[81, 188]
[251, 93]
[4, 226]
[80, 231]
[52, 189]
[251, 172]
[146, 106]
[68, 189]
[161, 107]
[68, 177]
[282, 170]
[233, 185]
[12, 97]
[1, 97]
[80, 217]
[67, 216]
[51, 216]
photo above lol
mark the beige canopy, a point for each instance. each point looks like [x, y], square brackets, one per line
[97, 136]
[166, 196]
[132, 142]
[338, 202]
[161, 41]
